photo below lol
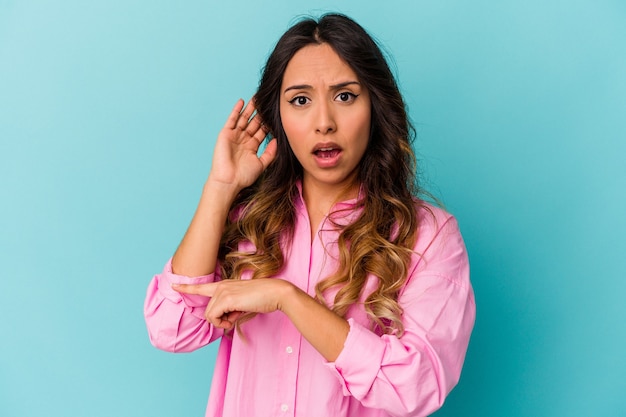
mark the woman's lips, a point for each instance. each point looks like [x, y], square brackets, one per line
[327, 155]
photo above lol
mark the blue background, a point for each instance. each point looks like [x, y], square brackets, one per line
[108, 115]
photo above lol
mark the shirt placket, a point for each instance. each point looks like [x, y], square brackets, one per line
[291, 340]
[290, 346]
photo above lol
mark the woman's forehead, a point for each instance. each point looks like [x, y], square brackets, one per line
[317, 65]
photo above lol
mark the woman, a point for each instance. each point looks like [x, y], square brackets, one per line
[334, 290]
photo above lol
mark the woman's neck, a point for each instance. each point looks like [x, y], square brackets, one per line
[320, 198]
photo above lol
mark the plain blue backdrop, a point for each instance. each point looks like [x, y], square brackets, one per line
[108, 116]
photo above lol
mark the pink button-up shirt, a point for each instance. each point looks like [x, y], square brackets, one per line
[276, 372]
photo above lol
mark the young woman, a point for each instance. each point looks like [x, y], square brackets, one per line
[334, 290]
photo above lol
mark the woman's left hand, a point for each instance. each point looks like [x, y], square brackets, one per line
[231, 298]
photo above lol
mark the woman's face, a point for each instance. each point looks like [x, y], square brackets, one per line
[326, 114]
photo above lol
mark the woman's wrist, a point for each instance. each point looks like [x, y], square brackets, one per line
[286, 295]
[320, 326]
[222, 190]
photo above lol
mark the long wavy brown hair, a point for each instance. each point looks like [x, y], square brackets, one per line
[380, 241]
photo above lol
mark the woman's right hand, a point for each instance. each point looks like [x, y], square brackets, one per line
[235, 166]
[235, 160]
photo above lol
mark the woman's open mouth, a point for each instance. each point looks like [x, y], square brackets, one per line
[327, 155]
[327, 152]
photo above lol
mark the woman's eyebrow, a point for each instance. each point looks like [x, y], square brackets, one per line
[332, 87]
[298, 87]
[344, 84]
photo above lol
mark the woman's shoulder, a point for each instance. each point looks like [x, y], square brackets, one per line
[435, 224]
[430, 215]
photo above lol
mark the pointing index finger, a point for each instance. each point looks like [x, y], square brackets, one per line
[195, 289]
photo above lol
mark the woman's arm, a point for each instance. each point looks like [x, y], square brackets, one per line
[321, 327]
[197, 253]
[176, 321]
[235, 166]
[413, 374]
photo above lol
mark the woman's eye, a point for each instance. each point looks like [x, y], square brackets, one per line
[346, 97]
[299, 101]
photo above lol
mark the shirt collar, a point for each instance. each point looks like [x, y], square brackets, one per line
[342, 209]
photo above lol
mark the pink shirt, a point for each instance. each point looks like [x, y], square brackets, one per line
[278, 373]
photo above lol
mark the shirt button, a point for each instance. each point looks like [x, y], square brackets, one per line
[289, 350]
[284, 407]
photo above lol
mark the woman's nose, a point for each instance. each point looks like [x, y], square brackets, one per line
[325, 120]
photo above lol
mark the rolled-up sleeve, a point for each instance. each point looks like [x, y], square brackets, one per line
[175, 321]
[413, 374]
